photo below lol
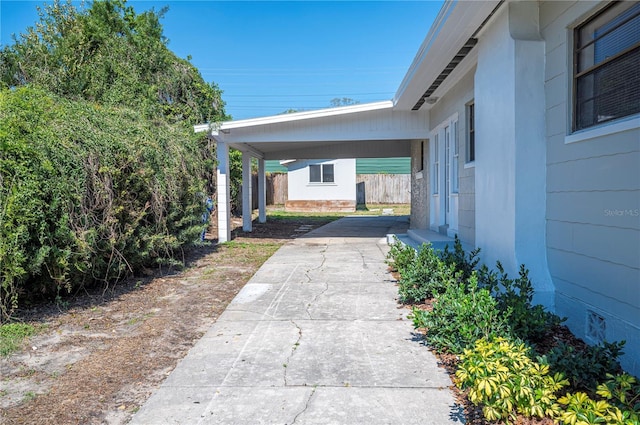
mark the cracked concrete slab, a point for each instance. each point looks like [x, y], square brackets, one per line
[315, 337]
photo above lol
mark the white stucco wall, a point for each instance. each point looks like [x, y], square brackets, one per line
[343, 188]
[510, 149]
[593, 199]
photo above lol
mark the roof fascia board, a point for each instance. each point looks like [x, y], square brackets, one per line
[306, 115]
[425, 48]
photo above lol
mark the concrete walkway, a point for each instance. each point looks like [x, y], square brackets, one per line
[315, 337]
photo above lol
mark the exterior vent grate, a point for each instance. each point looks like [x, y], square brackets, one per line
[596, 327]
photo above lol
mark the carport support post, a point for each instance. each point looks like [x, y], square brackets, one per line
[247, 199]
[262, 192]
[222, 185]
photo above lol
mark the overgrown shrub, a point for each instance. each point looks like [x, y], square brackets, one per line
[586, 367]
[514, 297]
[90, 193]
[503, 379]
[461, 315]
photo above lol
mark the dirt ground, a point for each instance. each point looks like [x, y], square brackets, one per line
[100, 355]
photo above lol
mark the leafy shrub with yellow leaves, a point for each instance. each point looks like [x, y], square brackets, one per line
[501, 377]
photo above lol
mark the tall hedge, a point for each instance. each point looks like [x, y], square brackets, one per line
[90, 193]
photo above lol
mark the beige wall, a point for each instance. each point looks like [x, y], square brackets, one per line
[455, 101]
[593, 198]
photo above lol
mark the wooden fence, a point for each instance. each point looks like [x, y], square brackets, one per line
[276, 185]
[370, 189]
[383, 188]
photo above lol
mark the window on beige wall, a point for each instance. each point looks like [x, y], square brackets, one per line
[471, 132]
[606, 79]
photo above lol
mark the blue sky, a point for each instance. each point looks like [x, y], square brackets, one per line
[271, 56]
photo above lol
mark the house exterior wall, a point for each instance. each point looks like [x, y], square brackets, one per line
[510, 146]
[343, 189]
[453, 102]
[593, 201]
[419, 184]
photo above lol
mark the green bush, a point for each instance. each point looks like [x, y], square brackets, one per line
[400, 256]
[587, 367]
[464, 263]
[501, 377]
[90, 193]
[619, 404]
[514, 296]
[461, 315]
[426, 276]
[623, 390]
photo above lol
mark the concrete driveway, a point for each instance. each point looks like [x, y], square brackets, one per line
[315, 337]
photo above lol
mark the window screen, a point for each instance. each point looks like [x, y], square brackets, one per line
[321, 173]
[327, 173]
[607, 66]
[315, 175]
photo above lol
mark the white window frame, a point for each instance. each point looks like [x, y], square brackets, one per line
[322, 174]
[577, 74]
[436, 164]
[455, 166]
[470, 133]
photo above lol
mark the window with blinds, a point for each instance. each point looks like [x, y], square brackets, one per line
[607, 66]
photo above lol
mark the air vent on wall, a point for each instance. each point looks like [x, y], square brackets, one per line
[596, 327]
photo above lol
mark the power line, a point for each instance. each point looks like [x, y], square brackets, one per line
[308, 95]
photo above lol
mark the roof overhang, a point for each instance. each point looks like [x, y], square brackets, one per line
[450, 39]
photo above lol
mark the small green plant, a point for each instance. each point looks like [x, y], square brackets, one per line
[12, 335]
[28, 396]
[579, 409]
[460, 316]
[463, 262]
[586, 367]
[624, 391]
[426, 276]
[400, 256]
[501, 377]
[514, 296]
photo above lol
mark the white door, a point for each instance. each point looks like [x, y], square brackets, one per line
[444, 183]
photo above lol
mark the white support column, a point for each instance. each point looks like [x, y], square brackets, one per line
[262, 192]
[247, 206]
[223, 192]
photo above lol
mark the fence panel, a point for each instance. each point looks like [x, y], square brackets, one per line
[370, 189]
[383, 188]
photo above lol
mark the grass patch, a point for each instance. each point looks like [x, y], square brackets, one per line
[282, 215]
[12, 336]
[279, 213]
[249, 252]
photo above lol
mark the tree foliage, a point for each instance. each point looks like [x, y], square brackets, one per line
[101, 174]
[110, 55]
[344, 101]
